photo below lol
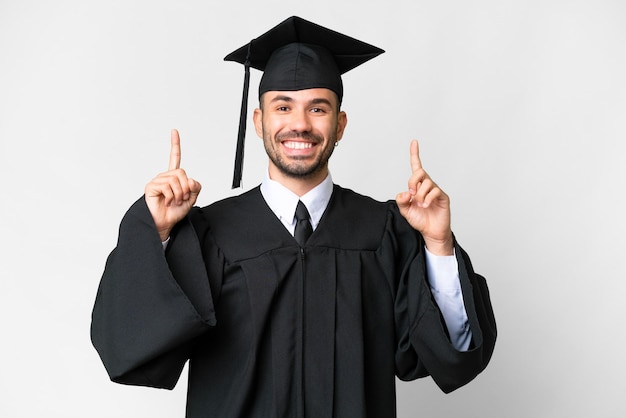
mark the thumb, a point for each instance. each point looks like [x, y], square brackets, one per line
[403, 200]
[194, 186]
[194, 191]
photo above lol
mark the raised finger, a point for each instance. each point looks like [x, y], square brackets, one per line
[416, 163]
[175, 150]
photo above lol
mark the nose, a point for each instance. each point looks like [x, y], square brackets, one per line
[300, 121]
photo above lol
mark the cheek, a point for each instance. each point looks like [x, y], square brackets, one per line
[270, 126]
[326, 127]
[333, 130]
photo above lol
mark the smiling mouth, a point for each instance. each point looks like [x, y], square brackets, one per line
[297, 145]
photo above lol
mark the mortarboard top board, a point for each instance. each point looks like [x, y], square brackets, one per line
[296, 55]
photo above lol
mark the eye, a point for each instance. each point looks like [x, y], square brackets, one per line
[317, 110]
[282, 108]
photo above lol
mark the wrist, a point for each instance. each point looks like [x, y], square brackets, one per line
[440, 247]
[164, 234]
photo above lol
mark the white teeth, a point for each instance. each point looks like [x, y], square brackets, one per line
[298, 145]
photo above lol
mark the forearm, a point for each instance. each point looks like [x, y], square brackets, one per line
[445, 285]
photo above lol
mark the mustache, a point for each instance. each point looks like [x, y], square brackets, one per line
[308, 136]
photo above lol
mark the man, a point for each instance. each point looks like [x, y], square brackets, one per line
[298, 298]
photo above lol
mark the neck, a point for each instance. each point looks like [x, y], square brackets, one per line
[298, 185]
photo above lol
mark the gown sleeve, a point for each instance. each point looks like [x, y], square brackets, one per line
[423, 344]
[149, 310]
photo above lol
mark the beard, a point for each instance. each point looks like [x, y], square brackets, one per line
[299, 167]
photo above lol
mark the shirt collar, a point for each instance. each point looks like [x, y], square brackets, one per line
[283, 201]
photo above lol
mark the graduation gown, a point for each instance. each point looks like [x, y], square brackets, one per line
[275, 330]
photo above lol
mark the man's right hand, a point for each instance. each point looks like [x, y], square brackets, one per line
[171, 195]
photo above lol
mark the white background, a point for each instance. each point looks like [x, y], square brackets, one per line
[520, 109]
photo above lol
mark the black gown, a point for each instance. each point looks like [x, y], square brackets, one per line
[275, 330]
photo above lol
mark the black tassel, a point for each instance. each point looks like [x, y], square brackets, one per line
[241, 136]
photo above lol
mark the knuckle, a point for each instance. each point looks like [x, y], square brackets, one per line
[166, 192]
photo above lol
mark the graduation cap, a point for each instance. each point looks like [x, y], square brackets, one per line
[296, 55]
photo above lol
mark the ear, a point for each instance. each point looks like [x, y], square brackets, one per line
[257, 117]
[342, 121]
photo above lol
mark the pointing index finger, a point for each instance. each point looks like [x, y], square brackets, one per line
[175, 151]
[416, 163]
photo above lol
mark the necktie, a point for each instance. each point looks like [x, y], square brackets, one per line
[303, 224]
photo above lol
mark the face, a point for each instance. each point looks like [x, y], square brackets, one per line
[299, 131]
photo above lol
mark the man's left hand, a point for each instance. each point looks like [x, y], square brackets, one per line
[427, 208]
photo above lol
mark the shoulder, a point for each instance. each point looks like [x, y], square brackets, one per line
[349, 196]
[230, 208]
[353, 204]
[355, 221]
[241, 226]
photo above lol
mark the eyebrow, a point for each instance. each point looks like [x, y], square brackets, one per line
[281, 99]
[289, 99]
[321, 101]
